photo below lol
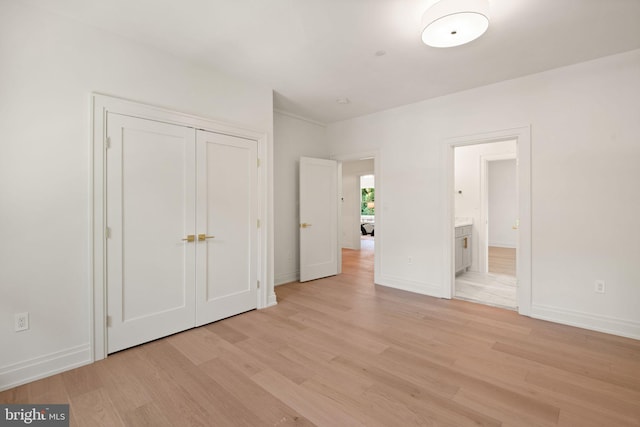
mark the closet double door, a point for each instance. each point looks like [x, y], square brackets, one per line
[181, 228]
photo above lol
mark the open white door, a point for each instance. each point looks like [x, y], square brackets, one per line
[318, 218]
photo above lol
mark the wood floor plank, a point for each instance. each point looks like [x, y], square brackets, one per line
[81, 380]
[95, 408]
[270, 409]
[606, 404]
[198, 345]
[318, 409]
[433, 405]
[147, 415]
[226, 332]
[48, 390]
[122, 383]
[342, 351]
[502, 260]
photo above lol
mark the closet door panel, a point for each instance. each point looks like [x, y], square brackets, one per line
[150, 209]
[227, 221]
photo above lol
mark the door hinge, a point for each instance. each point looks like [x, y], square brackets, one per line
[258, 284]
[107, 232]
[107, 143]
[258, 162]
[109, 323]
[258, 223]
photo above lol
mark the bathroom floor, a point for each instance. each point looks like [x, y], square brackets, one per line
[487, 288]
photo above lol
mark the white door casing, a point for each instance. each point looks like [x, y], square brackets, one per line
[103, 106]
[318, 218]
[182, 217]
[227, 224]
[150, 209]
[523, 254]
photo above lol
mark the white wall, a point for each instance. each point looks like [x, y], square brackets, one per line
[50, 65]
[503, 203]
[585, 122]
[293, 138]
[467, 178]
[351, 197]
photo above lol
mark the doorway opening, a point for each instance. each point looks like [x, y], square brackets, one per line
[501, 203]
[486, 223]
[489, 246]
[367, 212]
[359, 218]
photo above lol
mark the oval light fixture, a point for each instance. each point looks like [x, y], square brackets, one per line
[451, 23]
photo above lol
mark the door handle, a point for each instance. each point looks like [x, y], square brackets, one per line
[305, 225]
[203, 237]
[189, 238]
[465, 242]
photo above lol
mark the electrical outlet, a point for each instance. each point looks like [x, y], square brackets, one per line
[21, 321]
[599, 286]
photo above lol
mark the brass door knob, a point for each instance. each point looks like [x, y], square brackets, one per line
[305, 225]
[203, 237]
[189, 238]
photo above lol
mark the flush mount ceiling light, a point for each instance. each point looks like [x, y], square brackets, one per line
[455, 22]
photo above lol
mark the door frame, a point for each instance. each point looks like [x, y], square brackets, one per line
[522, 135]
[377, 172]
[101, 105]
[483, 256]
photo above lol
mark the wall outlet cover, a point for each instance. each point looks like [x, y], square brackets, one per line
[21, 321]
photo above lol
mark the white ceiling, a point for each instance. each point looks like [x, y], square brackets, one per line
[314, 51]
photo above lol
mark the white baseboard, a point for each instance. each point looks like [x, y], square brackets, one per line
[40, 367]
[272, 300]
[409, 285]
[609, 325]
[281, 279]
[503, 245]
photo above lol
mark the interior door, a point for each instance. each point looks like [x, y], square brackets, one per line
[227, 224]
[151, 192]
[318, 218]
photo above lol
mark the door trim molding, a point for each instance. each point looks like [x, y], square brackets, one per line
[522, 135]
[100, 105]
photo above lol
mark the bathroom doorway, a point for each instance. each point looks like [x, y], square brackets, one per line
[460, 199]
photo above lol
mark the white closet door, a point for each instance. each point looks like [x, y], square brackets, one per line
[150, 210]
[227, 225]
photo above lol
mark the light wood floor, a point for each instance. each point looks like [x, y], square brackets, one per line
[502, 261]
[343, 352]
